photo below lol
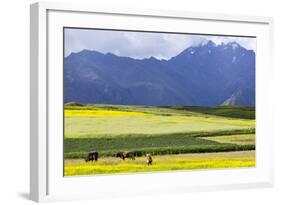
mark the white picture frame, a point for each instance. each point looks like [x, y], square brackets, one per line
[46, 179]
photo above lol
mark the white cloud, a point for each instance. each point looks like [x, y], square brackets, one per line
[248, 43]
[141, 44]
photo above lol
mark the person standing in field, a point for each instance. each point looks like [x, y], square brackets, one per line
[149, 159]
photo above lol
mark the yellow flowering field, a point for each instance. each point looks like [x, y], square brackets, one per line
[101, 113]
[111, 165]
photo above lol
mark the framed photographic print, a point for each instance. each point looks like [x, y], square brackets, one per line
[127, 102]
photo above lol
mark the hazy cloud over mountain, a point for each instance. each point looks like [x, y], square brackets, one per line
[141, 45]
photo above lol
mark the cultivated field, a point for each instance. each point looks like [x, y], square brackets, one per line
[170, 134]
[110, 165]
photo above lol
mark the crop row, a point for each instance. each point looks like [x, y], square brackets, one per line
[169, 150]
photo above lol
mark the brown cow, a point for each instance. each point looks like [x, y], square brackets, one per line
[149, 159]
[120, 155]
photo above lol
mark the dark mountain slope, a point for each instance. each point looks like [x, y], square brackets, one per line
[206, 75]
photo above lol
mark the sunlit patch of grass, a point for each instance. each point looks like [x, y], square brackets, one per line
[160, 163]
[79, 127]
[233, 139]
[99, 113]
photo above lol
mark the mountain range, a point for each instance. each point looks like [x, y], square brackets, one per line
[203, 75]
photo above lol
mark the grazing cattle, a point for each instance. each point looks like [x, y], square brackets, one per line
[92, 156]
[129, 155]
[124, 155]
[120, 155]
[149, 159]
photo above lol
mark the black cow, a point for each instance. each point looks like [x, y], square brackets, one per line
[120, 155]
[124, 155]
[92, 156]
[129, 155]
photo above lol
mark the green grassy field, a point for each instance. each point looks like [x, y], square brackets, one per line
[168, 131]
[245, 139]
[86, 124]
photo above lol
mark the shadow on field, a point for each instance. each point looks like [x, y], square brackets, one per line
[240, 112]
[24, 195]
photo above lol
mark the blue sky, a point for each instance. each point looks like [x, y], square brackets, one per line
[141, 45]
